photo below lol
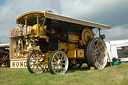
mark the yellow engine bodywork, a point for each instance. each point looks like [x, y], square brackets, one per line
[73, 38]
[33, 32]
[76, 53]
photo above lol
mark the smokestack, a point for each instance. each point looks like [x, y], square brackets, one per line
[48, 11]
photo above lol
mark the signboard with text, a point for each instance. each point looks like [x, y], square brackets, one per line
[18, 64]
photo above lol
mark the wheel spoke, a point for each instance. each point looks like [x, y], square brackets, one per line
[62, 60]
[33, 56]
[37, 69]
[98, 43]
[33, 66]
[63, 64]
[57, 56]
[94, 58]
[100, 65]
[102, 53]
[41, 66]
[54, 67]
[32, 61]
[95, 46]
[95, 53]
[62, 57]
[100, 47]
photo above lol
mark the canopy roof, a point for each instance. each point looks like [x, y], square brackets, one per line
[31, 19]
[4, 45]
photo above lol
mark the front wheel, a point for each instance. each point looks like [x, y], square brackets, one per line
[96, 53]
[58, 62]
[35, 62]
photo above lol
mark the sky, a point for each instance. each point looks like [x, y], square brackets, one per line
[110, 12]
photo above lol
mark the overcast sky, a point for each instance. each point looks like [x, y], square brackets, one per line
[109, 12]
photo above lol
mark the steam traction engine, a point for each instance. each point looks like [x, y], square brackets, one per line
[57, 42]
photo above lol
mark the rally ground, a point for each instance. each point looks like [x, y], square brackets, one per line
[115, 75]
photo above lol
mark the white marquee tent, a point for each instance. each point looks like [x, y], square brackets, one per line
[118, 49]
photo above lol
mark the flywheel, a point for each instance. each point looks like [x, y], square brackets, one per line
[86, 35]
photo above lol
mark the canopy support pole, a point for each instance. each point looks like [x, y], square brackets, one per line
[99, 31]
[38, 26]
[26, 26]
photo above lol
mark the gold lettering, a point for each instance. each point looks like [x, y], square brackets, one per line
[25, 64]
[17, 64]
[13, 64]
[21, 64]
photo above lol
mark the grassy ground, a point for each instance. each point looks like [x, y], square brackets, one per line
[116, 75]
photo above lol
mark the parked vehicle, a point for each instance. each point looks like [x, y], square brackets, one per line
[4, 55]
[57, 42]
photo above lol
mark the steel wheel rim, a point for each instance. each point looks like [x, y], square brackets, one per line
[59, 62]
[99, 53]
[35, 63]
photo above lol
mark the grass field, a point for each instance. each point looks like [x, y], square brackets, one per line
[115, 75]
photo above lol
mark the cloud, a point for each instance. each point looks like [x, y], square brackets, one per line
[117, 33]
[110, 12]
[11, 9]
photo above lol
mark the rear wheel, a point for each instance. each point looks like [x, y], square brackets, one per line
[58, 62]
[4, 59]
[96, 53]
[35, 62]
